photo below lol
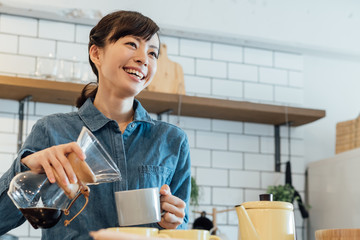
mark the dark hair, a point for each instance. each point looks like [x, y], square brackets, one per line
[111, 28]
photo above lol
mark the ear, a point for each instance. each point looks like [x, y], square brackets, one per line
[94, 54]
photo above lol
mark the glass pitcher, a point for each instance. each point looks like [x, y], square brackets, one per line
[43, 203]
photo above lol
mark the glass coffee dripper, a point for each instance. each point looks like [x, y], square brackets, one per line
[42, 203]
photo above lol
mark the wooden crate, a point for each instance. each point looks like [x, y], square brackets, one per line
[347, 135]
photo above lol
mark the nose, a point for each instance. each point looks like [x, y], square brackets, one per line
[142, 58]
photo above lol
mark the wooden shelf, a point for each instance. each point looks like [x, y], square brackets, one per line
[17, 88]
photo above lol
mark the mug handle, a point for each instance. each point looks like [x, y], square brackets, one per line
[162, 235]
[213, 237]
[85, 191]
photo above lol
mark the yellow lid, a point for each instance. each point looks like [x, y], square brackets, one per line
[268, 205]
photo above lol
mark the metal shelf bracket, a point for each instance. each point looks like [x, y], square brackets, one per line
[21, 120]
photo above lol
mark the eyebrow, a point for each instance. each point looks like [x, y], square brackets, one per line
[152, 46]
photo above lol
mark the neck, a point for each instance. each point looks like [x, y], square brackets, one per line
[115, 108]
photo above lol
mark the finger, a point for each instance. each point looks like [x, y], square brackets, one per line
[178, 212]
[173, 200]
[74, 147]
[165, 190]
[48, 171]
[172, 220]
[58, 167]
[67, 168]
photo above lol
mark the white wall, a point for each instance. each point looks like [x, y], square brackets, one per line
[328, 24]
[315, 81]
[332, 84]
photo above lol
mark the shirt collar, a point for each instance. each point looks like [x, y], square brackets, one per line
[95, 120]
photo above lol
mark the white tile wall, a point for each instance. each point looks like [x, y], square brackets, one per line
[243, 72]
[227, 53]
[198, 49]
[231, 161]
[258, 57]
[36, 47]
[57, 30]
[18, 25]
[8, 43]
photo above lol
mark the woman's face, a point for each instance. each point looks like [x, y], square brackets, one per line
[127, 66]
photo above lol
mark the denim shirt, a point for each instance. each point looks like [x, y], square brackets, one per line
[149, 153]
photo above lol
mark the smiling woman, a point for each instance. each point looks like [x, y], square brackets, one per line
[123, 52]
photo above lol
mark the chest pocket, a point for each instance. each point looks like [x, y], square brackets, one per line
[154, 176]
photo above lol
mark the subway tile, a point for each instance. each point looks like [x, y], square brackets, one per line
[258, 92]
[18, 25]
[273, 76]
[298, 164]
[298, 182]
[229, 160]
[204, 195]
[267, 144]
[37, 47]
[193, 48]
[34, 233]
[17, 64]
[187, 64]
[191, 137]
[21, 231]
[258, 129]
[296, 79]
[6, 161]
[228, 231]
[8, 43]
[211, 68]
[243, 143]
[259, 162]
[72, 51]
[82, 33]
[8, 143]
[243, 72]
[227, 53]
[227, 88]
[205, 176]
[7, 123]
[191, 122]
[245, 179]
[172, 44]
[200, 158]
[271, 179]
[295, 132]
[57, 30]
[289, 95]
[228, 126]
[48, 108]
[258, 56]
[211, 140]
[253, 195]
[227, 196]
[288, 61]
[296, 147]
[9, 106]
[196, 84]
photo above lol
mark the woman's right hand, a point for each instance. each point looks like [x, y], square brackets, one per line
[55, 158]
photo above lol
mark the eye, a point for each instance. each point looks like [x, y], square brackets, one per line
[154, 54]
[132, 44]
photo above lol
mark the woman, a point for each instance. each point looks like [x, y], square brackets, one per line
[123, 51]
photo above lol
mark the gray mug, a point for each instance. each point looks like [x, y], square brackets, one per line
[136, 207]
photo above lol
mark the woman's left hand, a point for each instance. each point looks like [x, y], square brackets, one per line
[173, 207]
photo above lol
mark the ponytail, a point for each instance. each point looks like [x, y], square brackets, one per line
[89, 91]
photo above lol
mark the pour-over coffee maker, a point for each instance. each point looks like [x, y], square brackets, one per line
[43, 203]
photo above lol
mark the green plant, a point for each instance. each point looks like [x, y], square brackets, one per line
[194, 195]
[284, 193]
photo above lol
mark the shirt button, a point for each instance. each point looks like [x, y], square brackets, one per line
[132, 125]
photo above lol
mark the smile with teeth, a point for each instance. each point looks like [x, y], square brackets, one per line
[134, 72]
